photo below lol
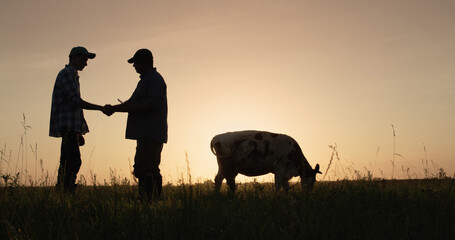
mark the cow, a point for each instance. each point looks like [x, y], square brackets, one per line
[254, 153]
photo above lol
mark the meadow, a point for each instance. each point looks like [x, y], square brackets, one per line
[360, 207]
[354, 209]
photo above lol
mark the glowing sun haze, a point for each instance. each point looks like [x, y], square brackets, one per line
[324, 72]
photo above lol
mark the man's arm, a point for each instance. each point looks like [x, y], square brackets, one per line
[126, 107]
[89, 106]
[71, 91]
[156, 98]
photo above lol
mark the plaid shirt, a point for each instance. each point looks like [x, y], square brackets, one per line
[65, 111]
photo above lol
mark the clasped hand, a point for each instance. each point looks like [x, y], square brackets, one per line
[108, 110]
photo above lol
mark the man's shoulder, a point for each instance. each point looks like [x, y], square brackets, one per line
[157, 76]
[67, 69]
[153, 77]
[153, 73]
[66, 72]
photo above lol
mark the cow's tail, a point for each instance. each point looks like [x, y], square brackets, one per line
[212, 147]
[217, 149]
[223, 151]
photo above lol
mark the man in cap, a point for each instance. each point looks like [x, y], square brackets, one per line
[67, 118]
[147, 123]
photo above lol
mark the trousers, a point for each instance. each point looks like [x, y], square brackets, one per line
[70, 161]
[146, 167]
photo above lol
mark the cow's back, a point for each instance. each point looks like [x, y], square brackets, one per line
[225, 144]
[256, 153]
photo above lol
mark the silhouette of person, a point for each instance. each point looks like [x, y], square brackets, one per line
[67, 118]
[147, 123]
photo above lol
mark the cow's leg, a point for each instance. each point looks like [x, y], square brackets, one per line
[218, 180]
[279, 180]
[286, 185]
[278, 183]
[231, 182]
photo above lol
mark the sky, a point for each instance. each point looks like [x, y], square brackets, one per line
[373, 81]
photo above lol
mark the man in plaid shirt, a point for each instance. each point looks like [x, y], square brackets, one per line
[67, 118]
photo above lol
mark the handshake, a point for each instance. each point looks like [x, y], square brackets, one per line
[108, 109]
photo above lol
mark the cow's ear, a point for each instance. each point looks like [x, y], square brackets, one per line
[316, 169]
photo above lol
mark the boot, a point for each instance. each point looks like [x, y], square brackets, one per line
[158, 186]
[150, 187]
[141, 185]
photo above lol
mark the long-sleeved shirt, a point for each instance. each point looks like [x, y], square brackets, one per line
[151, 124]
[66, 113]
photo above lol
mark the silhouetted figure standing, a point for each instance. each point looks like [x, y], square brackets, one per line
[67, 118]
[147, 123]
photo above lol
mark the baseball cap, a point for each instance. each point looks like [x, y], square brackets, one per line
[81, 51]
[141, 55]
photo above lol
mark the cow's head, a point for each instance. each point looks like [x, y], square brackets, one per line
[309, 177]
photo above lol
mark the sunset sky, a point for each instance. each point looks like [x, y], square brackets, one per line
[324, 72]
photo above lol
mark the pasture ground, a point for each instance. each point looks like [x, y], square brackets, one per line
[383, 209]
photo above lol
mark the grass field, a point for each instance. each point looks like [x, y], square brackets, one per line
[394, 209]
